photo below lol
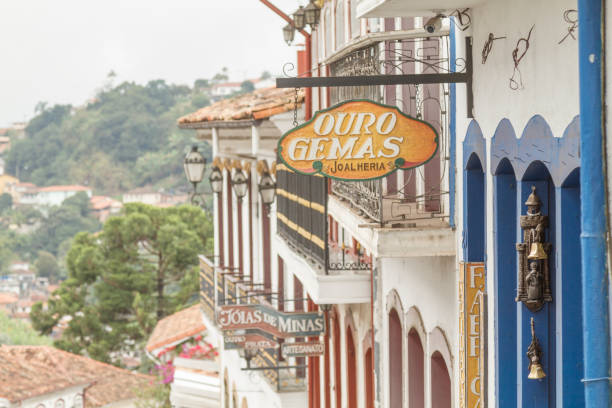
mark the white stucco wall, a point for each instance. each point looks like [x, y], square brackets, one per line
[550, 88]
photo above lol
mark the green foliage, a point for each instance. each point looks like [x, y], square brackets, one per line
[6, 202]
[63, 223]
[141, 267]
[16, 332]
[99, 145]
[247, 86]
[46, 266]
[156, 395]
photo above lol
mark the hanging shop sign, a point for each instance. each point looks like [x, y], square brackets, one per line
[472, 330]
[358, 140]
[270, 320]
[309, 349]
[248, 339]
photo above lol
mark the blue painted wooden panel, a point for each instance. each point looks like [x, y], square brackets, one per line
[504, 207]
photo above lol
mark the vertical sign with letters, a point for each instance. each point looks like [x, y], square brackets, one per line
[472, 307]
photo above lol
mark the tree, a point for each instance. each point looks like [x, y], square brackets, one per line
[266, 75]
[46, 266]
[141, 267]
[247, 86]
[6, 202]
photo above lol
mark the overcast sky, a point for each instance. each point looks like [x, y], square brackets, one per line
[60, 51]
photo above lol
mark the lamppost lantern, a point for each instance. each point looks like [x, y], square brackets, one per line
[239, 184]
[194, 165]
[267, 189]
[216, 180]
[288, 33]
[299, 18]
[312, 14]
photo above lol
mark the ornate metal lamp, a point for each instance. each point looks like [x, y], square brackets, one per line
[288, 33]
[299, 18]
[312, 14]
[267, 189]
[216, 180]
[194, 165]
[533, 269]
[239, 184]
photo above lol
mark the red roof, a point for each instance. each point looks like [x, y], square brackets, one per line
[178, 326]
[64, 188]
[259, 104]
[8, 298]
[28, 371]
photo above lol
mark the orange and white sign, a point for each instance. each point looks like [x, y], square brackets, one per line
[472, 335]
[358, 140]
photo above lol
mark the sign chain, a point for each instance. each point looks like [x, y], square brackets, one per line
[295, 109]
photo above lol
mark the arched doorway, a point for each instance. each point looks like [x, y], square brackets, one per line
[395, 360]
[416, 371]
[440, 382]
[351, 368]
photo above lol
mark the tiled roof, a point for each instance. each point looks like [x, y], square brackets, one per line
[64, 188]
[259, 104]
[8, 298]
[180, 325]
[28, 371]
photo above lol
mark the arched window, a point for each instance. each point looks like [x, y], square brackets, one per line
[440, 382]
[416, 371]
[337, 371]
[339, 20]
[395, 360]
[351, 368]
[369, 379]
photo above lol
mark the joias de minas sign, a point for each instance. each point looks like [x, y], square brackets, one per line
[358, 140]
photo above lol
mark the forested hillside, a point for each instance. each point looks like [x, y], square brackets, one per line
[125, 137]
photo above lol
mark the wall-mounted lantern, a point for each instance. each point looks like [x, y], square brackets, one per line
[216, 180]
[194, 165]
[533, 269]
[312, 14]
[288, 33]
[299, 18]
[267, 189]
[239, 184]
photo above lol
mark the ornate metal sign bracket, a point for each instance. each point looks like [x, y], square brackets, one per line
[414, 79]
[533, 269]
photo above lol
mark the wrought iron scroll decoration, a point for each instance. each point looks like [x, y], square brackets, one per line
[488, 46]
[517, 56]
[533, 267]
[571, 18]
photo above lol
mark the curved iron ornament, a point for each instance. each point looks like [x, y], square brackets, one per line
[391, 165]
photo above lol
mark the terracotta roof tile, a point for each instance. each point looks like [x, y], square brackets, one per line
[178, 326]
[8, 298]
[258, 104]
[27, 371]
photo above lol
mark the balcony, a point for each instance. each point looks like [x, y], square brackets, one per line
[233, 289]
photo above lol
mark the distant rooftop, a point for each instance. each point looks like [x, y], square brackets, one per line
[259, 104]
[29, 371]
[178, 326]
[64, 188]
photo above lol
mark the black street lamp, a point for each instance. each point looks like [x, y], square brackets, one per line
[267, 189]
[239, 184]
[312, 14]
[288, 33]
